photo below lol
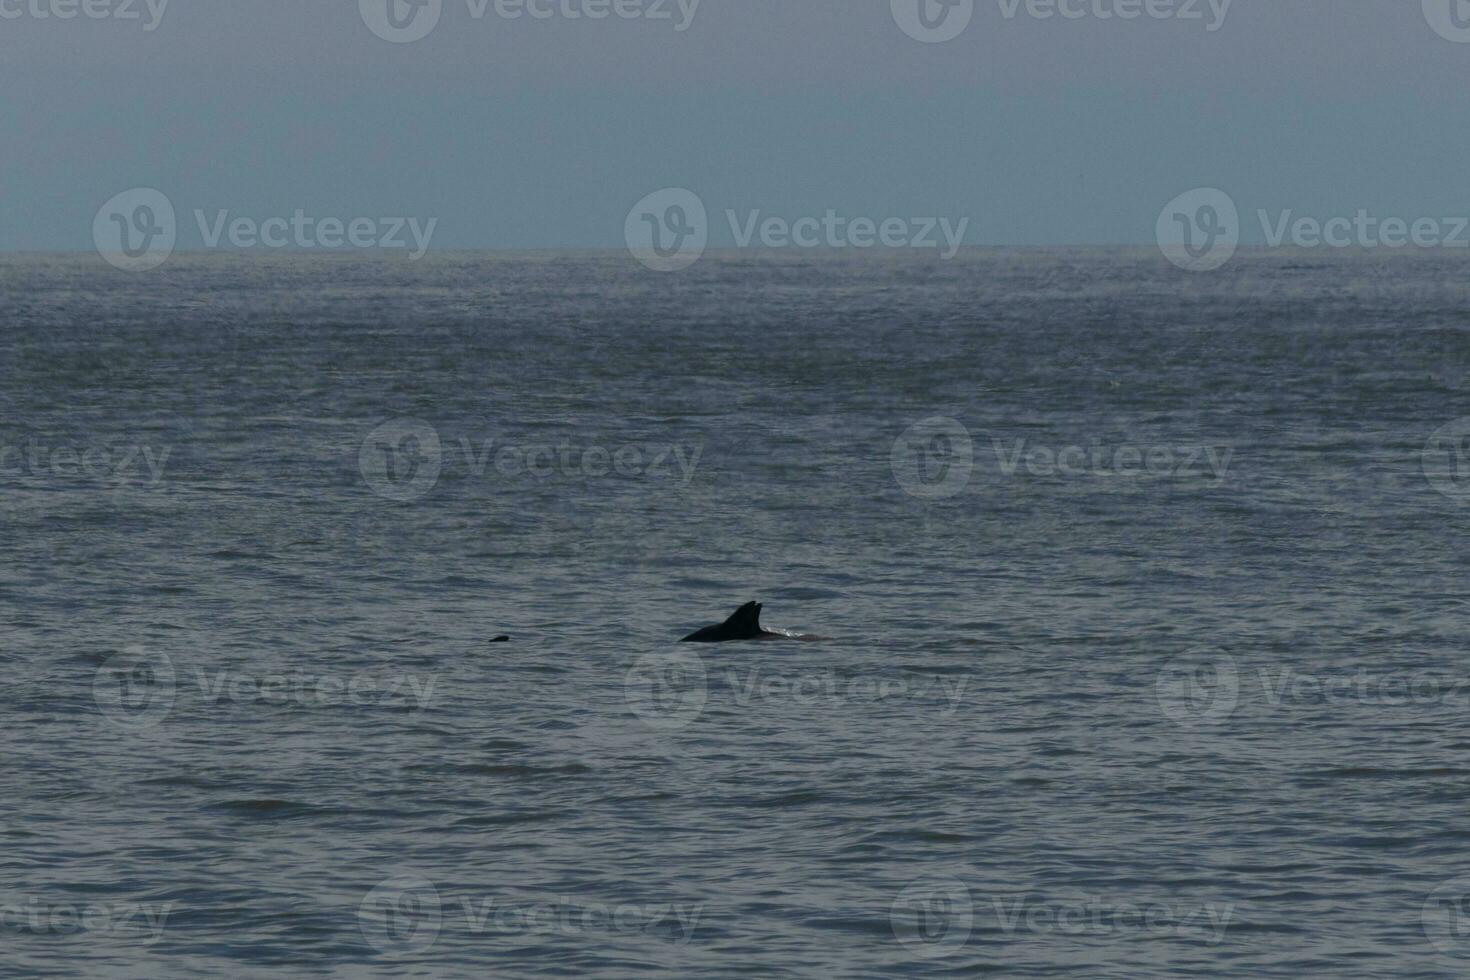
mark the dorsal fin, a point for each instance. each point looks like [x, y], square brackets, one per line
[742, 618]
[743, 624]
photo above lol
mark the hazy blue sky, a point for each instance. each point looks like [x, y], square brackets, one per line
[539, 133]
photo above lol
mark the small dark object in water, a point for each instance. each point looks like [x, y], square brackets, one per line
[501, 639]
[743, 624]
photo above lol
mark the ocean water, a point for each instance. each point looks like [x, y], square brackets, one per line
[1143, 595]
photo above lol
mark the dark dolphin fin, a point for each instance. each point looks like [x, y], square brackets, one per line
[754, 622]
[743, 624]
[740, 620]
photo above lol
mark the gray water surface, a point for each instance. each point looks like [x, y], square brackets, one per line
[1144, 594]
